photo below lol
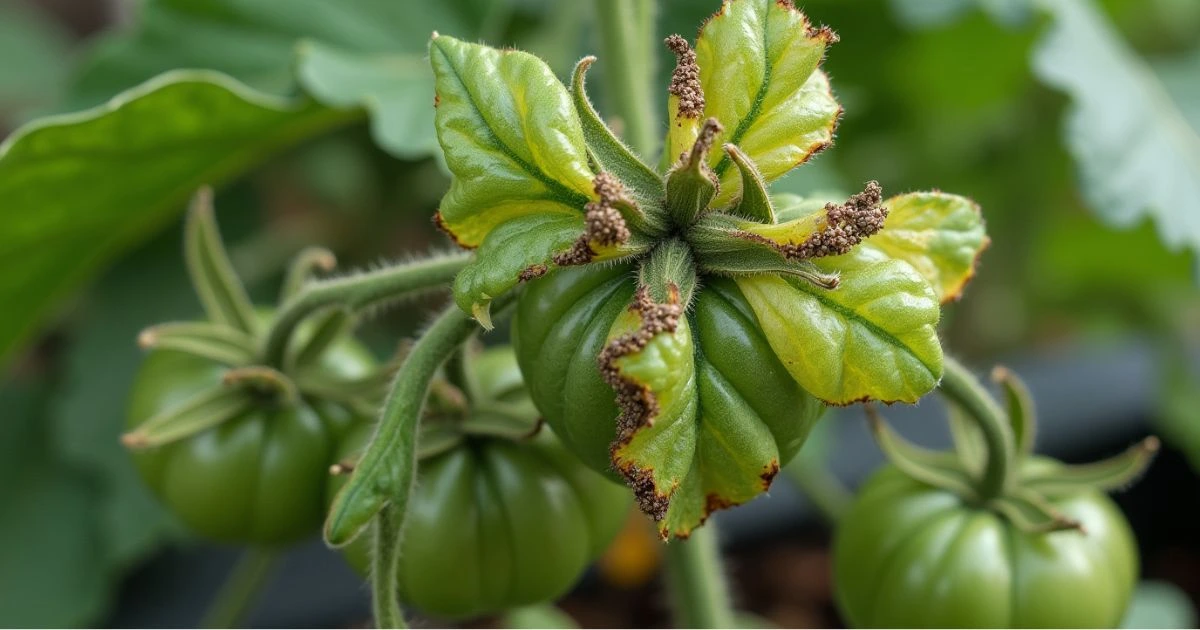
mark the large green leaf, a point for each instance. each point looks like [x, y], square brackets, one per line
[81, 188]
[1137, 155]
[872, 338]
[511, 138]
[758, 66]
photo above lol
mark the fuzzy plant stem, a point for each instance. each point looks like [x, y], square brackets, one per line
[392, 454]
[357, 292]
[241, 588]
[960, 386]
[385, 557]
[699, 593]
[628, 51]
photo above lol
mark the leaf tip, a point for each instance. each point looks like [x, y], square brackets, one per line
[147, 338]
[135, 440]
[482, 312]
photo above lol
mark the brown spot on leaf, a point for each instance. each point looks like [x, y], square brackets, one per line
[533, 271]
[638, 405]
[650, 501]
[437, 99]
[440, 223]
[714, 502]
[823, 33]
[768, 474]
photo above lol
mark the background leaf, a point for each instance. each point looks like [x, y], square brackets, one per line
[41, 76]
[52, 572]
[254, 40]
[1136, 153]
[81, 188]
[395, 89]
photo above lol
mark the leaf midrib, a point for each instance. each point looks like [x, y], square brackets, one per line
[558, 192]
[851, 315]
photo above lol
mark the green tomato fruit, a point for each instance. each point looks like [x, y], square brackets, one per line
[495, 524]
[750, 415]
[258, 478]
[908, 555]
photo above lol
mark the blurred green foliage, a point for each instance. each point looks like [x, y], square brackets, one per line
[937, 95]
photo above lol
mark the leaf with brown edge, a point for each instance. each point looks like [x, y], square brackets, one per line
[872, 338]
[939, 234]
[689, 440]
[758, 69]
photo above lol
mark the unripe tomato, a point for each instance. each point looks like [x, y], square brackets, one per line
[908, 555]
[497, 523]
[562, 324]
[258, 478]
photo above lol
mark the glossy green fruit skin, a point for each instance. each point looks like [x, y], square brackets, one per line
[257, 479]
[497, 524]
[911, 556]
[561, 325]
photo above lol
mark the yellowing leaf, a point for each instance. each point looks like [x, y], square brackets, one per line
[758, 66]
[940, 235]
[871, 338]
[511, 137]
[516, 250]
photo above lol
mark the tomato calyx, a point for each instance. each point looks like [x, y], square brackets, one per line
[233, 335]
[984, 442]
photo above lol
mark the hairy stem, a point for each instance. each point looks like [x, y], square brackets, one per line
[358, 292]
[698, 591]
[241, 588]
[628, 51]
[385, 556]
[960, 385]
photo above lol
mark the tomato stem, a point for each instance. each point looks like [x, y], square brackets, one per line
[241, 589]
[627, 43]
[698, 590]
[357, 292]
[385, 556]
[962, 387]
